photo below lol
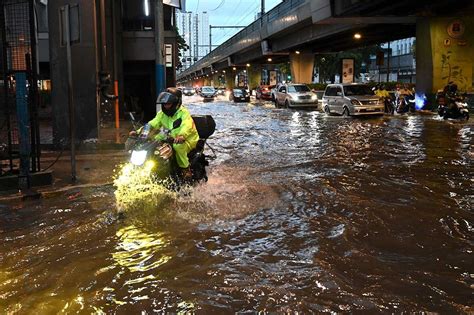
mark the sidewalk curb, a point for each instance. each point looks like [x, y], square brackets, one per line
[49, 193]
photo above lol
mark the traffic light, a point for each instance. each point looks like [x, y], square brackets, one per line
[288, 77]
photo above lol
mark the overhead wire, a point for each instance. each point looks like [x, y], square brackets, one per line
[245, 16]
[220, 4]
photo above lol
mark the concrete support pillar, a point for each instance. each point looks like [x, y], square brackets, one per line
[255, 76]
[444, 53]
[302, 65]
[230, 79]
[215, 79]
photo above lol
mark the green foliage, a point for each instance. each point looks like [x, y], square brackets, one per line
[317, 86]
[182, 47]
[390, 86]
[330, 64]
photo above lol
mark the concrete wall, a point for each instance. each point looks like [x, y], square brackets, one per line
[84, 70]
[441, 57]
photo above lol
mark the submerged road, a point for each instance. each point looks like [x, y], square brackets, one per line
[302, 213]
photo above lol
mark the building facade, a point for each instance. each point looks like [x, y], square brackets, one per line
[194, 29]
[115, 53]
[399, 62]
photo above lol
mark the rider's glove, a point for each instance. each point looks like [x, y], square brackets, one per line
[179, 139]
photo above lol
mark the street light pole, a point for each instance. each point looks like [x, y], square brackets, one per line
[388, 62]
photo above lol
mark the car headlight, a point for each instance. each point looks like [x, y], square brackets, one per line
[355, 102]
[138, 157]
[314, 97]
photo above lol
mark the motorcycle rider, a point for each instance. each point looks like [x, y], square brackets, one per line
[174, 120]
[383, 94]
[451, 94]
[401, 94]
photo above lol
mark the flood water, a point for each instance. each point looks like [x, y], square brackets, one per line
[302, 213]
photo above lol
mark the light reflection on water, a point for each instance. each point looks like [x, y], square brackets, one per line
[302, 213]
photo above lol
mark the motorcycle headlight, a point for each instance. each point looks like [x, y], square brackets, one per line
[138, 157]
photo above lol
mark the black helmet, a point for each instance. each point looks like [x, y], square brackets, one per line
[170, 96]
[453, 88]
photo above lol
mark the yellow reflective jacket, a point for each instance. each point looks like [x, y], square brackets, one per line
[187, 129]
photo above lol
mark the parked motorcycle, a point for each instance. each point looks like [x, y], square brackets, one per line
[158, 157]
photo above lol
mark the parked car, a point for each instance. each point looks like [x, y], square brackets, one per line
[188, 91]
[351, 99]
[239, 94]
[264, 92]
[295, 95]
[208, 93]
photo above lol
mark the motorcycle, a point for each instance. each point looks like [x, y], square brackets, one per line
[405, 104]
[455, 108]
[389, 104]
[158, 158]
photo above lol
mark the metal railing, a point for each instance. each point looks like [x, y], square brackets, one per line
[277, 12]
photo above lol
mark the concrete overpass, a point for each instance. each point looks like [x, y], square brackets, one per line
[310, 27]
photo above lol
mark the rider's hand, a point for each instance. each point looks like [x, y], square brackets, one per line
[179, 139]
[132, 133]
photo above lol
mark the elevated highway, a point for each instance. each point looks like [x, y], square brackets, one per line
[310, 27]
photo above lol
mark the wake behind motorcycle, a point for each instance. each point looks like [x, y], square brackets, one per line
[157, 157]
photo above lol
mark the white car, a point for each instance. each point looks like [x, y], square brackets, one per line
[295, 95]
[351, 99]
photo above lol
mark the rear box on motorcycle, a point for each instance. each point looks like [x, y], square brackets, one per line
[205, 125]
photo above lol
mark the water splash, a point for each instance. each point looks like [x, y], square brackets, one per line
[138, 189]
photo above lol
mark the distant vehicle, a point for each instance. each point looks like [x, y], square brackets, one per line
[351, 99]
[274, 91]
[295, 95]
[188, 91]
[208, 93]
[239, 95]
[220, 91]
[264, 92]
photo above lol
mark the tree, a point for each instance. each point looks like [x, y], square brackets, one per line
[329, 65]
[182, 47]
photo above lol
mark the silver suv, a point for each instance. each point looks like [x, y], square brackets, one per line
[295, 95]
[351, 99]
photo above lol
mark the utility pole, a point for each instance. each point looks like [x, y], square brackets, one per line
[262, 11]
[388, 62]
[159, 42]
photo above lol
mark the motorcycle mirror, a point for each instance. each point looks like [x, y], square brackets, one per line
[177, 123]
